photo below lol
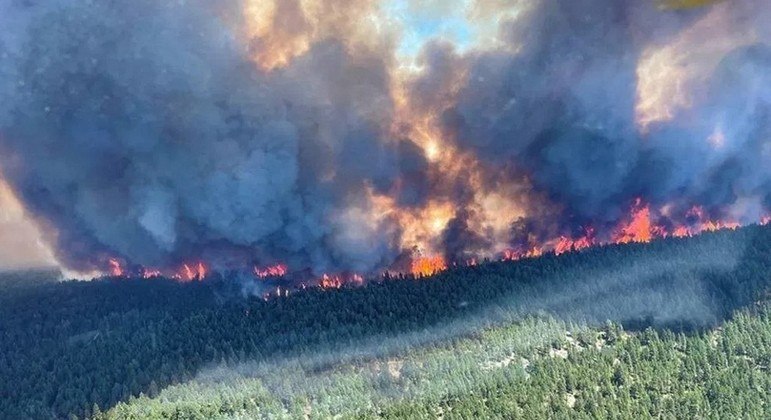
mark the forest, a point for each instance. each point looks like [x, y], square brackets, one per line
[676, 328]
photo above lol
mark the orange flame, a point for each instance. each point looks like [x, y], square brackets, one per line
[639, 228]
[116, 270]
[277, 270]
[190, 273]
[702, 224]
[330, 282]
[426, 266]
[711, 226]
[515, 255]
[681, 232]
[565, 244]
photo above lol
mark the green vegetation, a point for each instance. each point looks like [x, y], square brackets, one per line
[533, 369]
[676, 328]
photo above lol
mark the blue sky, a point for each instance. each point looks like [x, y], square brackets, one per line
[425, 20]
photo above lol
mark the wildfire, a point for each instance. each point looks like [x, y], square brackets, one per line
[148, 273]
[711, 226]
[191, 272]
[491, 206]
[116, 270]
[681, 232]
[566, 244]
[330, 282]
[639, 228]
[514, 255]
[277, 270]
[337, 281]
[457, 191]
[701, 223]
[643, 224]
[642, 229]
[426, 266]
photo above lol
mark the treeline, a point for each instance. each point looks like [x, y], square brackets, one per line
[68, 348]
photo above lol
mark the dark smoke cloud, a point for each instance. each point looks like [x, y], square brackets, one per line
[144, 130]
[461, 243]
[558, 99]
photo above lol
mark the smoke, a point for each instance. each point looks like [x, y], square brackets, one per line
[243, 132]
[21, 246]
[562, 99]
[144, 130]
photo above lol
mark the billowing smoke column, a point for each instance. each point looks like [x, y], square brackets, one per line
[155, 134]
[568, 105]
[145, 131]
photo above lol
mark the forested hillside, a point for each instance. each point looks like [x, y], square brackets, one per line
[639, 329]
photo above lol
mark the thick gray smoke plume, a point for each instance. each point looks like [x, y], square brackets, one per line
[560, 100]
[143, 130]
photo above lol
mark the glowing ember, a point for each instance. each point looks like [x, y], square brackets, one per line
[278, 270]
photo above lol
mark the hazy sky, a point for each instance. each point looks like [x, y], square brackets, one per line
[20, 242]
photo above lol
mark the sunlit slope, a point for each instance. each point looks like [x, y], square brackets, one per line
[536, 369]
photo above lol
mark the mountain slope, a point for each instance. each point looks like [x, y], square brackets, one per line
[453, 341]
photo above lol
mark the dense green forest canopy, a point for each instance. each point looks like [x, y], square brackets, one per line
[523, 338]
